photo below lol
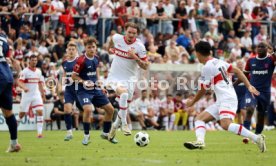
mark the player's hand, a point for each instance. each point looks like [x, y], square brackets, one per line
[132, 53]
[253, 91]
[111, 50]
[104, 91]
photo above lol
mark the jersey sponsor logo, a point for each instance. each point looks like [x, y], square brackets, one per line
[122, 53]
[260, 72]
[91, 73]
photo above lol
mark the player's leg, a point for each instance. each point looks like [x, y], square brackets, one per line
[100, 100]
[25, 105]
[122, 114]
[69, 98]
[171, 122]
[226, 116]
[6, 107]
[250, 104]
[37, 106]
[209, 114]
[262, 108]
[85, 102]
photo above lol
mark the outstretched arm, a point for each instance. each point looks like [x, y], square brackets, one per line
[197, 97]
[243, 78]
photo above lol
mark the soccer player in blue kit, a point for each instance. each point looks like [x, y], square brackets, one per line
[260, 70]
[86, 75]
[70, 94]
[6, 82]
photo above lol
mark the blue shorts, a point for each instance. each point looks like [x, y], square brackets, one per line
[95, 97]
[241, 104]
[70, 96]
[262, 101]
[6, 95]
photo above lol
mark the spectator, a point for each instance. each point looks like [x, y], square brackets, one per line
[167, 116]
[150, 13]
[133, 12]
[260, 37]
[121, 13]
[246, 42]
[58, 50]
[182, 14]
[58, 10]
[167, 26]
[58, 112]
[93, 18]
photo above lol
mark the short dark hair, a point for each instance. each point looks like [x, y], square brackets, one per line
[32, 56]
[203, 48]
[90, 41]
[132, 25]
[144, 91]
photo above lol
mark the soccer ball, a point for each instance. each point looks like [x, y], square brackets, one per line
[141, 139]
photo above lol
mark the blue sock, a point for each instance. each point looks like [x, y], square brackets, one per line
[12, 124]
[86, 128]
[247, 124]
[68, 121]
[106, 127]
[259, 128]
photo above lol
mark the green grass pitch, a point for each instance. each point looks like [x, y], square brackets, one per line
[165, 148]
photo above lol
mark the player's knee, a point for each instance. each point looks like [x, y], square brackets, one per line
[249, 111]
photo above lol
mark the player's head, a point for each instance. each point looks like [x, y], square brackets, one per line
[131, 30]
[178, 96]
[169, 97]
[71, 49]
[203, 50]
[90, 44]
[262, 49]
[240, 64]
[144, 94]
[33, 61]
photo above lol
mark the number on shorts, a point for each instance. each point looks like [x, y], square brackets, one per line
[224, 75]
[85, 100]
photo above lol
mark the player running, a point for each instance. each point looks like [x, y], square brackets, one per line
[86, 74]
[215, 74]
[6, 82]
[260, 69]
[130, 53]
[70, 94]
[32, 82]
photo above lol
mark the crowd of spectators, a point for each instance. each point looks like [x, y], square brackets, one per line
[169, 30]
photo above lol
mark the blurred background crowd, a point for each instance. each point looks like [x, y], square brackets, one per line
[169, 30]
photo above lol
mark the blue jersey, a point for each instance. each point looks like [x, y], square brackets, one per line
[260, 71]
[5, 71]
[240, 88]
[68, 67]
[86, 68]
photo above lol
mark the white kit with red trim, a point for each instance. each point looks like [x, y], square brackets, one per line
[31, 99]
[125, 68]
[215, 73]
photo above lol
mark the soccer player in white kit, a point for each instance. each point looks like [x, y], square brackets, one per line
[130, 53]
[215, 75]
[32, 82]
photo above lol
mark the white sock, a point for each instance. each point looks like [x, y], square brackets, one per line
[191, 122]
[14, 142]
[172, 119]
[86, 136]
[117, 122]
[165, 122]
[123, 107]
[240, 130]
[39, 124]
[130, 126]
[200, 130]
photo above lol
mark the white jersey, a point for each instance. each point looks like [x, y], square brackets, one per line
[123, 67]
[31, 79]
[215, 74]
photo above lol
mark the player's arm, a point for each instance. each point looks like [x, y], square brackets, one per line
[244, 79]
[58, 112]
[41, 89]
[143, 63]
[201, 92]
[21, 83]
[110, 47]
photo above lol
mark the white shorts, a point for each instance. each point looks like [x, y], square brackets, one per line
[222, 110]
[35, 103]
[129, 85]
